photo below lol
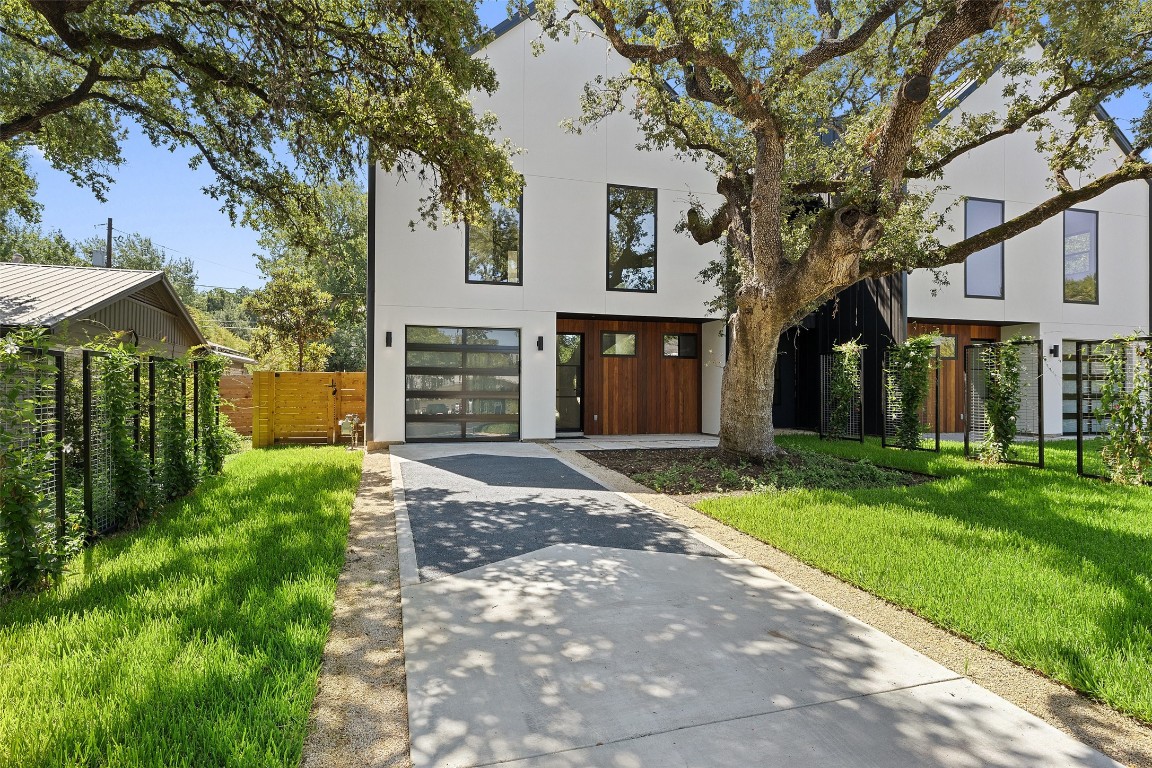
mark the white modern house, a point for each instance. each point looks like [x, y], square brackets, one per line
[1080, 276]
[580, 311]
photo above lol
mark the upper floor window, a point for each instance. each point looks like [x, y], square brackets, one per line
[495, 246]
[1081, 268]
[984, 270]
[631, 238]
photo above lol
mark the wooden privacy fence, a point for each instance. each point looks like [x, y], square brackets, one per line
[236, 401]
[294, 407]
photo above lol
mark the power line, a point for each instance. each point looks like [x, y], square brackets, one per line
[189, 255]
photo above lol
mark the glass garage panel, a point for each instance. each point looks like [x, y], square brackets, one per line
[462, 383]
[493, 383]
[427, 406]
[426, 359]
[434, 382]
[422, 334]
[421, 430]
[492, 430]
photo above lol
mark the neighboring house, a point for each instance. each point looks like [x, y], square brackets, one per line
[1082, 275]
[580, 310]
[82, 303]
[238, 362]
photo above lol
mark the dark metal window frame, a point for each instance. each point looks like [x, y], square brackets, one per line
[955, 347]
[680, 346]
[519, 253]
[635, 347]
[1000, 245]
[462, 419]
[608, 239]
[1064, 256]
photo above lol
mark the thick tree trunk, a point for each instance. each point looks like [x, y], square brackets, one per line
[749, 385]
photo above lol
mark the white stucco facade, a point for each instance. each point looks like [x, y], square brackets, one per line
[1011, 169]
[420, 271]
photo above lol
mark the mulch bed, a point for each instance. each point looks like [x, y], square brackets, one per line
[691, 471]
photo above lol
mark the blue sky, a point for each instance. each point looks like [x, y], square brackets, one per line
[159, 196]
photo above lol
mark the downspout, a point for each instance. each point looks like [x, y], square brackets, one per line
[370, 349]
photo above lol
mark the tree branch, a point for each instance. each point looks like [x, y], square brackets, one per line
[832, 48]
[30, 121]
[967, 18]
[956, 253]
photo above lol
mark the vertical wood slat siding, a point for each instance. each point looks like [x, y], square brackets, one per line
[952, 371]
[291, 407]
[645, 394]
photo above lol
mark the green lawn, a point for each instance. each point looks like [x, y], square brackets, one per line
[1051, 570]
[194, 641]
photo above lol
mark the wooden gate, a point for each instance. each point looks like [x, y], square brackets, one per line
[295, 407]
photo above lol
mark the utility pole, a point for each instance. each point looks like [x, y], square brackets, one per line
[108, 252]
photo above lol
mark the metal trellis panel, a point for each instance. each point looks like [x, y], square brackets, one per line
[1029, 414]
[891, 409]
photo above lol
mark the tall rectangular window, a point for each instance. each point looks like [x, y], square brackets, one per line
[495, 246]
[1081, 268]
[984, 270]
[631, 238]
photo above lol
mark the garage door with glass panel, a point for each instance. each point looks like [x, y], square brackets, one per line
[461, 383]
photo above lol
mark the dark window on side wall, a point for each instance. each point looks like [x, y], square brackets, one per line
[1081, 266]
[631, 239]
[984, 270]
[680, 345]
[948, 346]
[614, 344]
[494, 246]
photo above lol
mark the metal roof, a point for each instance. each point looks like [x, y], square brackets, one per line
[45, 295]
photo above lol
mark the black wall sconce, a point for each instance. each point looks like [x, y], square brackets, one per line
[388, 338]
[540, 343]
[1054, 350]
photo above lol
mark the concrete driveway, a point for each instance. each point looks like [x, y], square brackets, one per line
[551, 622]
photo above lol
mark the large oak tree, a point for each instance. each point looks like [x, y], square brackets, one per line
[826, 124]
[273, 95]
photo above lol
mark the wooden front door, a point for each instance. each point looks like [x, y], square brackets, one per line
[956, 337]
[639, 376]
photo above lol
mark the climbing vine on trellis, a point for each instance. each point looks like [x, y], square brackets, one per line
[28, 546]
[844, 387]
[908, 382]
[1002, 398]
[133, 499]
[1126, 399]
[212, 426]
[176, 466]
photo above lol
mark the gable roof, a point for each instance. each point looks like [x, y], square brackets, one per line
[966, 90]
[46, 295]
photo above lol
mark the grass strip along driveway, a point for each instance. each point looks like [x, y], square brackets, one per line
[194, 641]
[1051, 570]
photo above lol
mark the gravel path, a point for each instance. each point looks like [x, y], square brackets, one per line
[360, 716]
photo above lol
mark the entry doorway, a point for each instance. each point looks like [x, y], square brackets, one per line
[570, 383]
[637, 376]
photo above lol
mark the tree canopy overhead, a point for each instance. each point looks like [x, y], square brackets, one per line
[270, 94]
[828, 125]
